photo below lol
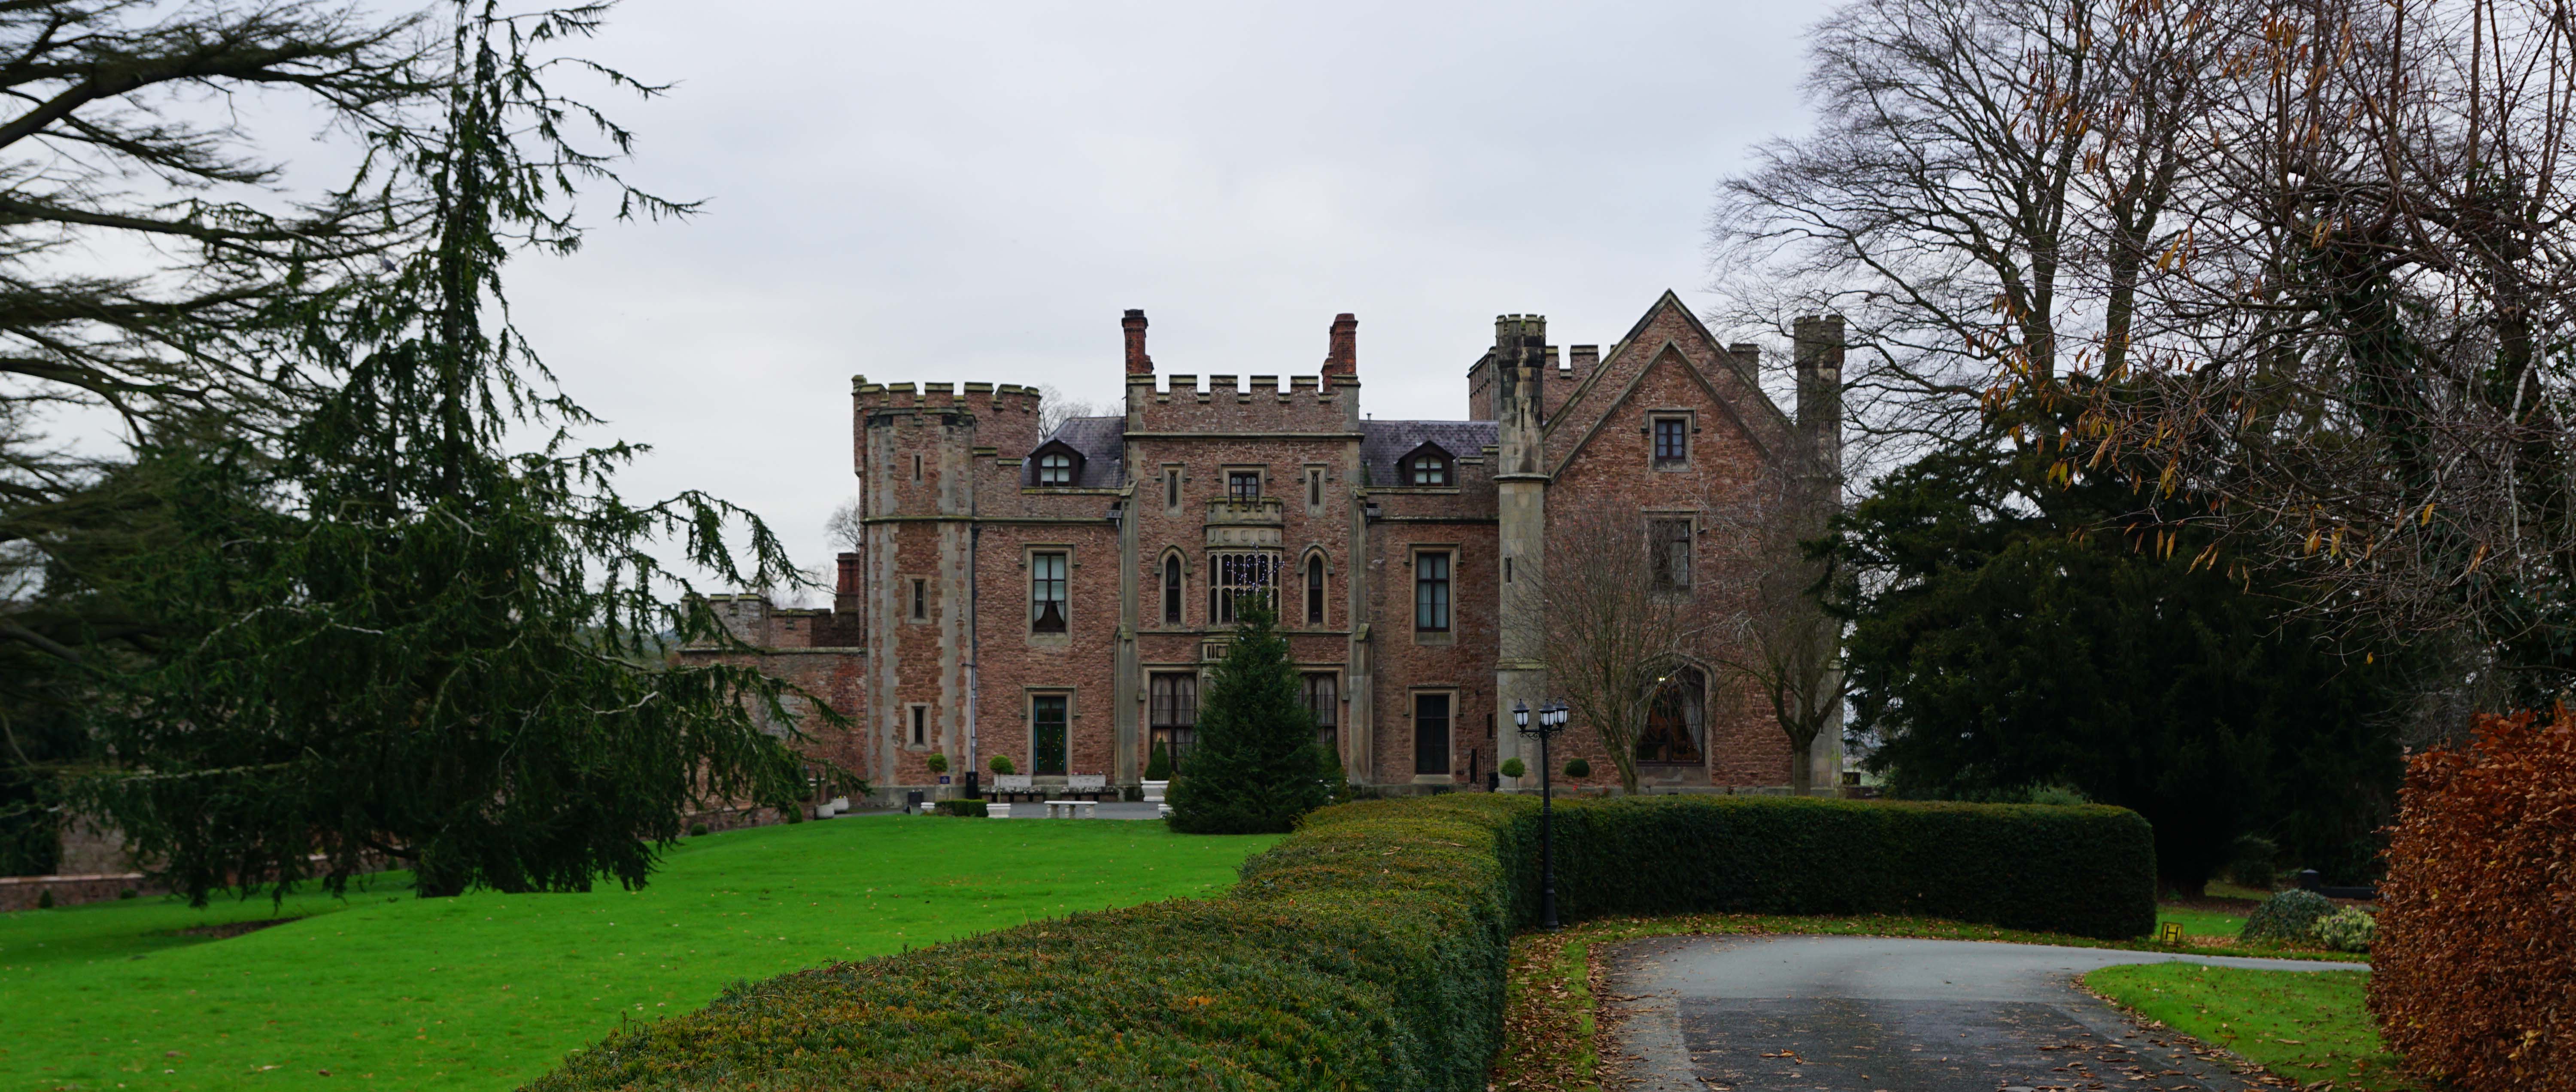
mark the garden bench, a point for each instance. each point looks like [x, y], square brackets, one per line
[1086, 784]
[1067, 809]
[1006, 786]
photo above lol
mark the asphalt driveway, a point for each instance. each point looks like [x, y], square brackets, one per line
[1876, 1014]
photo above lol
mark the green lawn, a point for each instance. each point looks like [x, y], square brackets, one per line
[489, 990]
[2201, 923]
[2307, 1026]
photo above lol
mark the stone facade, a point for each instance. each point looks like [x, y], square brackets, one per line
[1057, 599]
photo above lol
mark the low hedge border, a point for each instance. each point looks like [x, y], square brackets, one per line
[1368, 950]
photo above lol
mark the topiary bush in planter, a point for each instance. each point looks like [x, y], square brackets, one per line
[2287, 918]
[1002, 766]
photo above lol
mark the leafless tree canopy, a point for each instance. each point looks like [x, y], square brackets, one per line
[1613, 631]
[1054, 409]
[2310, 259]
[1767, 626]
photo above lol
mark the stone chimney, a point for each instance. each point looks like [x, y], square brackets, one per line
[1342, 352]
[1818, 356]
[1137, 362]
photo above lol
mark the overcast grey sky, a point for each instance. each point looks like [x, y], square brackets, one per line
[943, 191]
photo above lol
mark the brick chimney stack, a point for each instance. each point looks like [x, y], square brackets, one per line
[1137, 362]
[1342, 357]
[845, 594]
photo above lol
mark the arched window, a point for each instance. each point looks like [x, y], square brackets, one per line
[1427, 465]
[1675, 726]
[1314, 589]
[1171, 589]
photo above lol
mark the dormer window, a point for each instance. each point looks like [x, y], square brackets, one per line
[1427, 465]
[1056, 465]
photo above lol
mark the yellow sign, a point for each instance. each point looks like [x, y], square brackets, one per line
[2169, 933]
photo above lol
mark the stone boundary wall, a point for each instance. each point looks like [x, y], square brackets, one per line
[24, 892]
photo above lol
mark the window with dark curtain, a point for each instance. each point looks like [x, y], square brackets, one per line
[1672, 441]
[1670, 541]
[1243, 484]
[1172, 590]
[1323, 699]
[1315, 591]
[1172, 713]
[1431, 593]
[1046, 593]
[1431, 733]
[1048, 733]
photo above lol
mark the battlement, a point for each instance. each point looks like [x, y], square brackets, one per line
[967, 396]
[1183, 384]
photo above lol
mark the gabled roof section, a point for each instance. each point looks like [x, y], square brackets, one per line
[1594, 400]
[1383, 443]
[1102, 443]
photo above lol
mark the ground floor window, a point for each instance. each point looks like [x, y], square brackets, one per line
[1172, 715]
[1049, 741]
[1431, 733]
[1322, 698]
[1677, 723]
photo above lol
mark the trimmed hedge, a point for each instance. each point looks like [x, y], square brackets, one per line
[2087, 870]
[973, 809]
[1367, 950]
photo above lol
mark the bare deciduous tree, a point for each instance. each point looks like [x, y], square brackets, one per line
[1614, 626]
[1054, 409]
[846, 526]
[1768, 627]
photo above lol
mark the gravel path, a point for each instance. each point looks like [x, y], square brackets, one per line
[1875, 1014]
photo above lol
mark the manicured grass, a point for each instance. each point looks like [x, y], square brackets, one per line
[1549, 1022]
[2305, 1026]
[2201, 923]
[489, 990]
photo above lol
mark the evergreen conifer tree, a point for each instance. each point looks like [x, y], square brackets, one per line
[1255, 766]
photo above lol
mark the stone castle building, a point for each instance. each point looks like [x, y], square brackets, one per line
[1057, 598]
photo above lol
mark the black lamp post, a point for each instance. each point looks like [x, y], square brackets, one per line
[1551, 720]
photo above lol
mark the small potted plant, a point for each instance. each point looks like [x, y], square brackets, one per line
[938, 764]
[1002, 766]
[1158, 774]
[1512, 768]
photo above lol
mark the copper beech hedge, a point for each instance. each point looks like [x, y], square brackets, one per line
[2473, 974]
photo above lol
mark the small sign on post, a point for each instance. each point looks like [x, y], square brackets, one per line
[2169, 933]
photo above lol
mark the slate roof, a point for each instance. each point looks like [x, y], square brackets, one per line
[1102, 442]
[1384, 442]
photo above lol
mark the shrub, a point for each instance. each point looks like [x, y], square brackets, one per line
[1158, 764]
[1367, 950]
[2349, 929]
[937, 762]
[697, 830]
[2287, 918]
[2086, 870]
[1002, 765]
[2253, 862]
[45, 899]
[1577, 769]
[2473, 976]
[973, 809]
[1512, 767]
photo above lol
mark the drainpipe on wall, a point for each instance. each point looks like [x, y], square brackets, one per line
[974, 644]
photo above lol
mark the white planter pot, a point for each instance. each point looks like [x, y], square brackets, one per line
[1154, 790]
[997, 810]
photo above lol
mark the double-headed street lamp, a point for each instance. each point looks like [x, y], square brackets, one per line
[1551, 720]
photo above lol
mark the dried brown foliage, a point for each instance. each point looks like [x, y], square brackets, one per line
[2473, 978]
